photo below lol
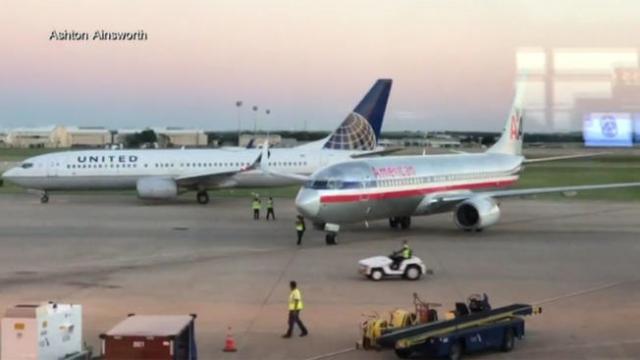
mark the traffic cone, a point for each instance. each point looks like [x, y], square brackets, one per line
[229, 343]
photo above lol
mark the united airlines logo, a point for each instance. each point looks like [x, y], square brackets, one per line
[608, 126]
[354, 133]
[108, 159]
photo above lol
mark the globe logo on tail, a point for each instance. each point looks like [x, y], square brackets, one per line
[355, 133]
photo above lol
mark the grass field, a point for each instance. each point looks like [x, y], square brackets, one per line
[598, 170]
[606, 169]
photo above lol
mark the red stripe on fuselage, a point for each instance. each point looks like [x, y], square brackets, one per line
[413, 192]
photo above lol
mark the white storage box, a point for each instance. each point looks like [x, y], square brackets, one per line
[45, 331]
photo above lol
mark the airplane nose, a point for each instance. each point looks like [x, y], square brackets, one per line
[8, 174]
[308, 202]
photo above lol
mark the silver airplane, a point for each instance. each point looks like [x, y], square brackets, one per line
[399, 187]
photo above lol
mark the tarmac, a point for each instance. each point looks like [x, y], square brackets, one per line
[116, 255]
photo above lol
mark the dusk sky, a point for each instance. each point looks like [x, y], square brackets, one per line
[310, 62]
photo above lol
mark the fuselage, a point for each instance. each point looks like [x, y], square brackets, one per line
[386, 187]
[121, 169]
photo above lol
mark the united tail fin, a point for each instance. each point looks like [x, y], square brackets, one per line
[510, 142]
[361, 129]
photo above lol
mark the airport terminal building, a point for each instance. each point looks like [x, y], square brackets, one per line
[96, 137]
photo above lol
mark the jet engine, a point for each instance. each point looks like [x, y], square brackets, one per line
[156, 188]
[476, 213]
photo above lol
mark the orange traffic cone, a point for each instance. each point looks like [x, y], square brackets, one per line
[229, 343]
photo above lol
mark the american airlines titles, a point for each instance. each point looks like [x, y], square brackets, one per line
[108, 158]
[393, 171]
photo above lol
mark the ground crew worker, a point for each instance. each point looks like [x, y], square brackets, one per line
[300, 228]
[399, 256]
[407, 253]
[270, 209]
[256, 205]
[295, 306]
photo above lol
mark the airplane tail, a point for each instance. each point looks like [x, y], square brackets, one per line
[361, 129]
[510, 142]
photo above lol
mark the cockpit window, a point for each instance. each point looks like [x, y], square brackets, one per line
[26, 165]
[316, 184]
[333, 184]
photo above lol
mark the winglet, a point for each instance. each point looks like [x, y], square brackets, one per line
[265, 154]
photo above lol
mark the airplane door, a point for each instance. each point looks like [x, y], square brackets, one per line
[52, 168]
[365, 197]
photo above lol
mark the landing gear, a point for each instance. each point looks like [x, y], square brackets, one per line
[44, 198]
[404, 222]
[318, 226]
[330, 239]
[202, 197]
[331, 233]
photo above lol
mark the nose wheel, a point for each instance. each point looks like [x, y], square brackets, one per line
[330, 239]
[331, 232]
[202, 197]
[44, 198]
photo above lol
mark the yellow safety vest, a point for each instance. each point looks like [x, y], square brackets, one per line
[255, 205]
[269, 204]
[299, 226]
[406, 252]
[295, 295]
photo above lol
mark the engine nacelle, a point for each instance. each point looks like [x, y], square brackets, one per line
[156, 188]
[477, 213]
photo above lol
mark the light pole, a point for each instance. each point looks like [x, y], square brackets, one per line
[255, 119]
[238, 106]
[267, 112]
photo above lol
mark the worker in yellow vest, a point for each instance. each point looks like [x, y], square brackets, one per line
[300, 228]
[270, 209]
[295, 306]
[256, 205]
[401, 255]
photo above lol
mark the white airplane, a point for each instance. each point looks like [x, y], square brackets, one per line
[399, 187]
[162, 174]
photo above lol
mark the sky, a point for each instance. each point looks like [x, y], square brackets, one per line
[309, 62]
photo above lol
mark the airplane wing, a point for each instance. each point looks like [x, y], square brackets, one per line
[264, 166]
[534, 191]
[380, 152]
[213, 177]
[210, 177]
[563, 157]
[458, 151]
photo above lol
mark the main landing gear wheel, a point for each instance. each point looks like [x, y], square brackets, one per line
[44, 198]
[405, 222]
[402, 222]
[202, 197]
